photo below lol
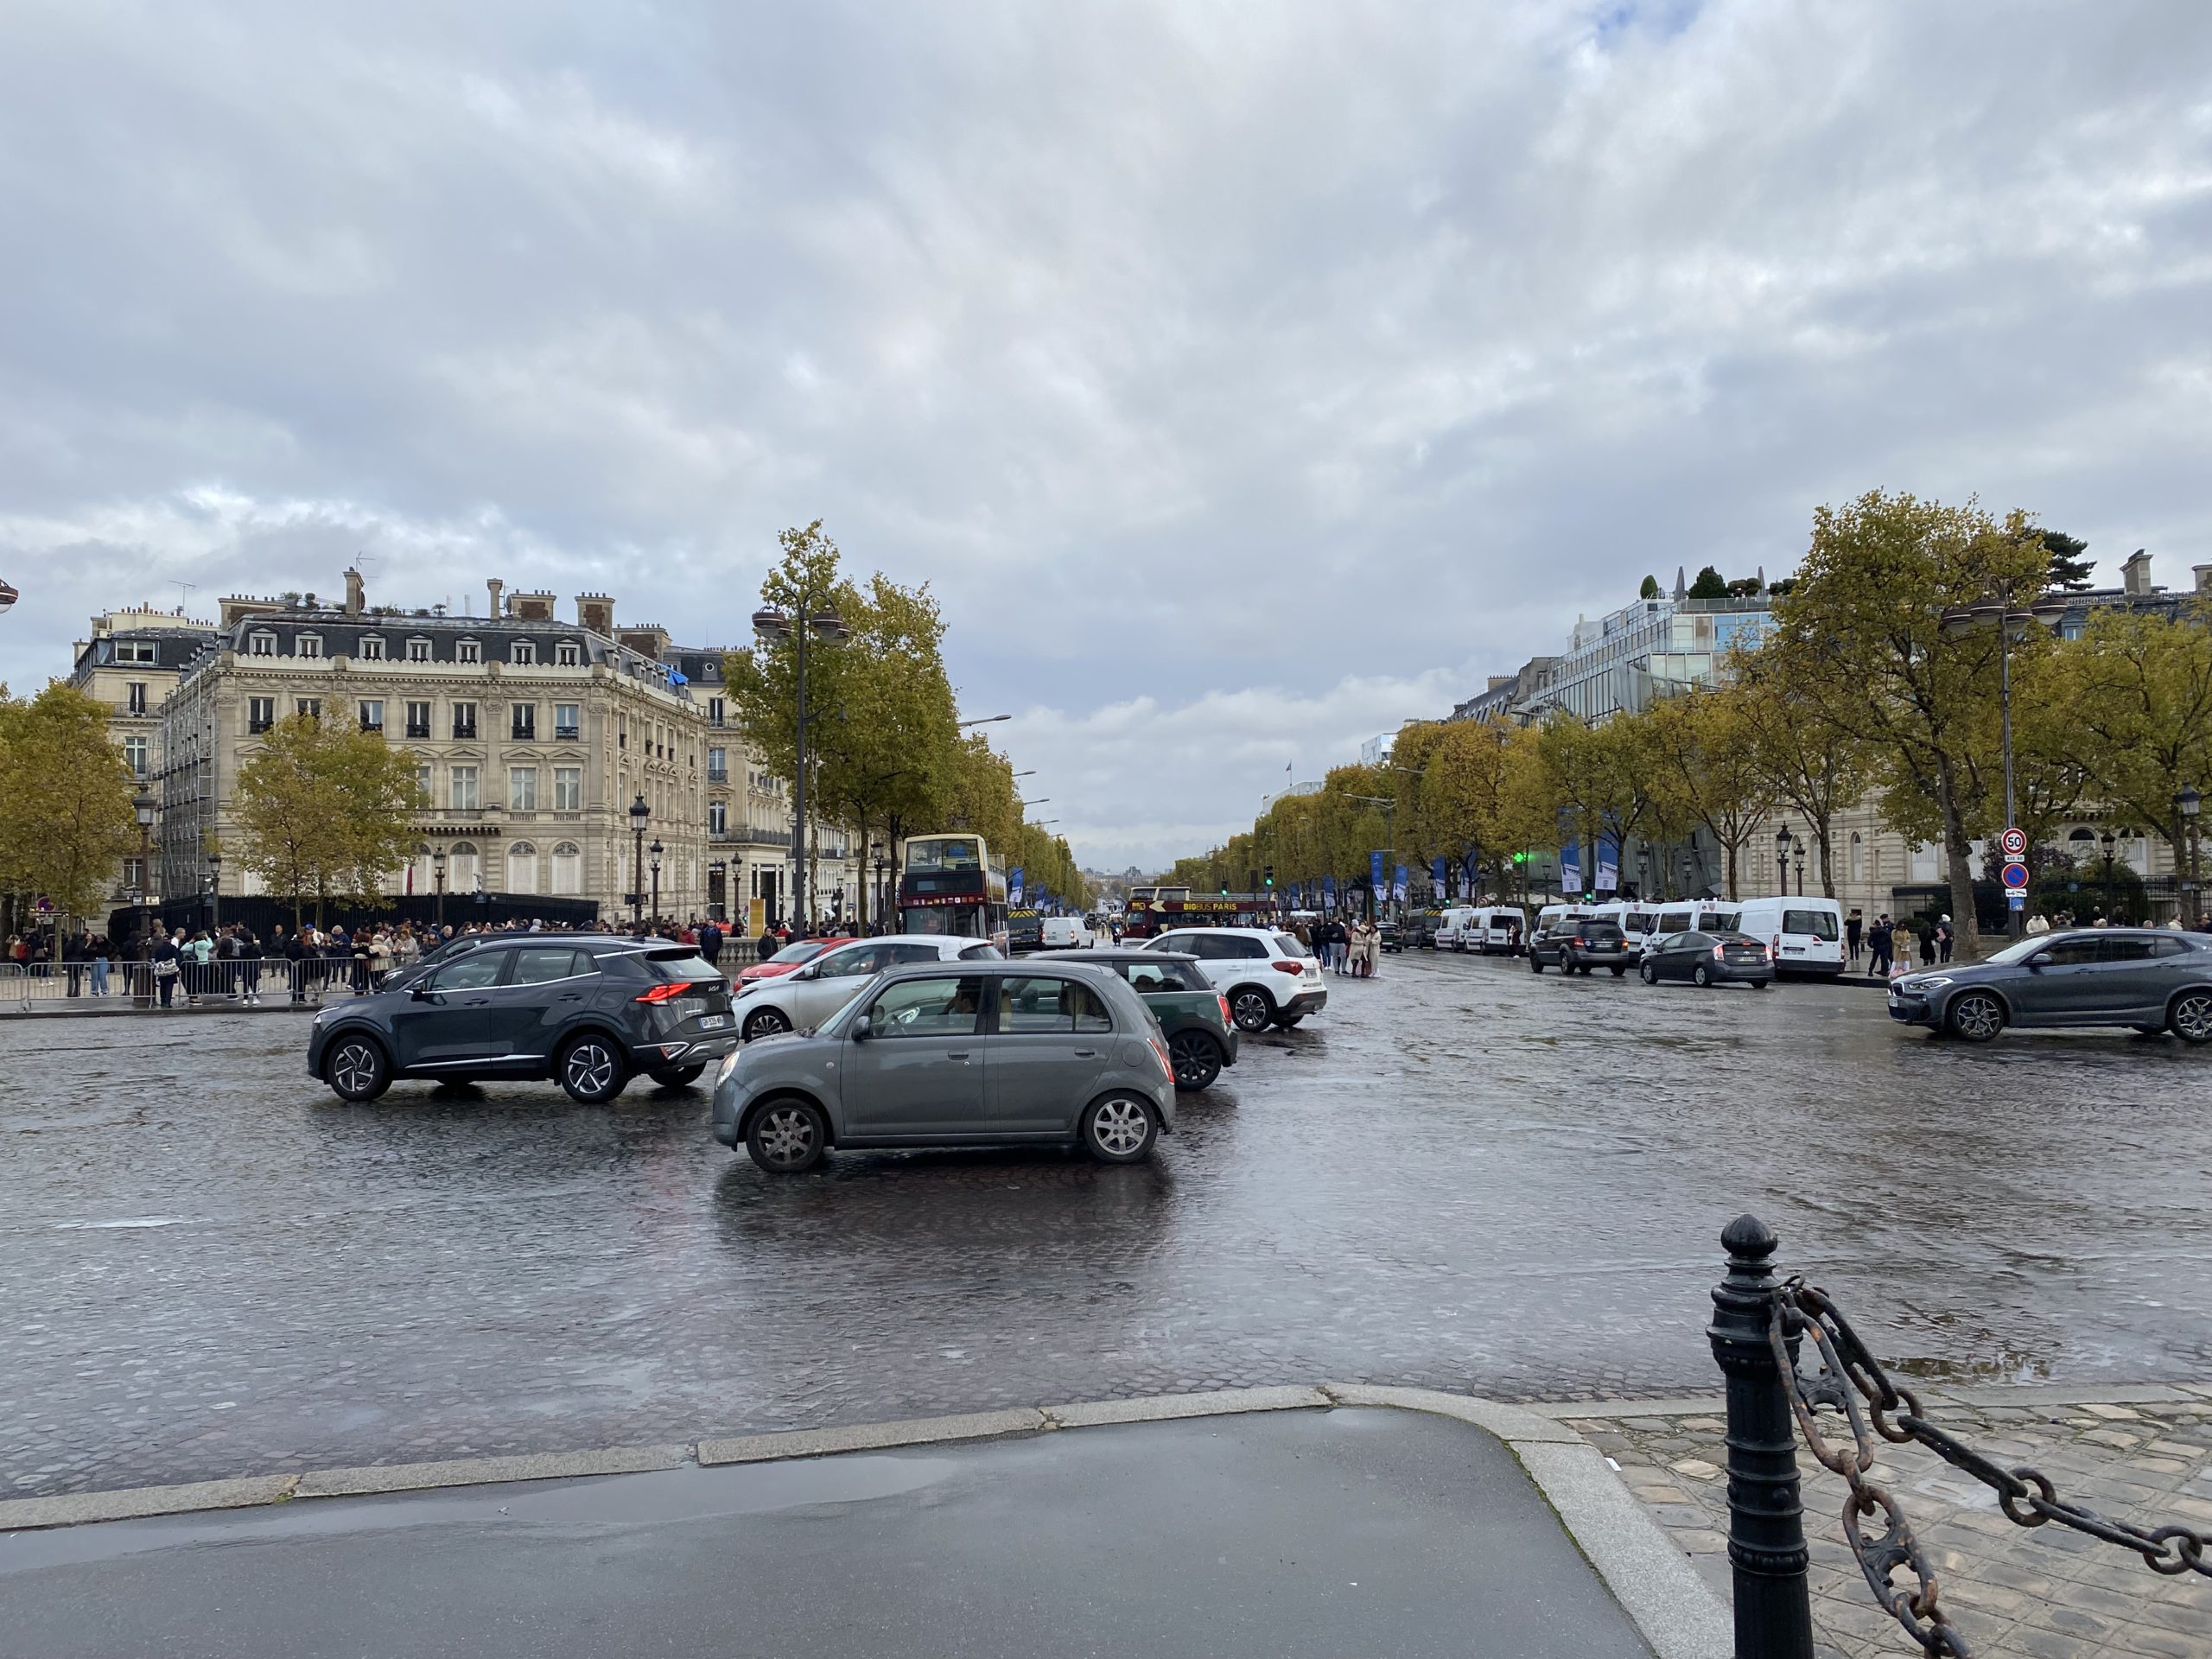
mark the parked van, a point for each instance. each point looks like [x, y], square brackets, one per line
[1451, 930]
[1551, 918]
[1690, 916]
[1631, 916]
[1806, 935]
[1498, 931]
[1068, 933]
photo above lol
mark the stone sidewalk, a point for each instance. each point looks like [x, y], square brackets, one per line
[2144, 1455]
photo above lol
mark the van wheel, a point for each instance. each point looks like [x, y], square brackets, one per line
[1252, 1008]
[1702, 976]
[358, 1070]
[591, 1070]
[2191, 1017]
[1977, 1016]
[1118, 1130]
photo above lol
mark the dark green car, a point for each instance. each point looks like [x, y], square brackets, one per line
[1192, 1015]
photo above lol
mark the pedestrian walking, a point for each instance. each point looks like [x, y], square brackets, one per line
[72, 963]
[100, 953]
[1944, 938]
[168, 966]
[1854, 927]
[1927, 943]
[250, 957]
[1880, 939]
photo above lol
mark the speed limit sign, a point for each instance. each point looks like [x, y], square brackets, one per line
[2015, 843]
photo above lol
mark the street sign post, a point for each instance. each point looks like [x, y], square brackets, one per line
[2016, 878]
[2015, 842]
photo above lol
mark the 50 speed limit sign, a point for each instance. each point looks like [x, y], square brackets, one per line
[2015, 843]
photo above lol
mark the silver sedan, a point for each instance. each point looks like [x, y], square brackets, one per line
[957, 1054]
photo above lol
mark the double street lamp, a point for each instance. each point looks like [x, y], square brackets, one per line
[656, 849]
[2188, 803]
[826, 625]
[214, 891]
[438, 880]
[1783, 842]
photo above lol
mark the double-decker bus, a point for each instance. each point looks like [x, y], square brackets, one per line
[951, 884]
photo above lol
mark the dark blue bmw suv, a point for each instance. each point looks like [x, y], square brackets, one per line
[591, 1010]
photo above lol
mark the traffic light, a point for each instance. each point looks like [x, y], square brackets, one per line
[1269, 875]
[1224, 887]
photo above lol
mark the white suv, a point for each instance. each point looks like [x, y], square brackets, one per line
[1268, 978]
[807, 995]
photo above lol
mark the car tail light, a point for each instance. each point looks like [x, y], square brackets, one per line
[1580, 943]
[1224, 1009]
[1720, 953]
[667, 993]
[1774, 950]
[1287, 967]
[1160, 1053]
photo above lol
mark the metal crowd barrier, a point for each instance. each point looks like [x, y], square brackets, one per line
[243, 981]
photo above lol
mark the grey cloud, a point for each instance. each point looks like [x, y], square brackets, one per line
[1184, 349]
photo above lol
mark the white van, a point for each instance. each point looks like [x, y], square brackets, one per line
[1068, 933]
[1690, 916]
[1488, 930]
[1452, 927]
[1806, 935]
[1549, 918]
[1632, 916]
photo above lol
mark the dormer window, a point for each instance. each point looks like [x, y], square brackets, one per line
[522, 653]
[566, 654]
[307, 645]
[470, 652]
[263, 645]
[372, 648]
[418, 650]
[134, 650]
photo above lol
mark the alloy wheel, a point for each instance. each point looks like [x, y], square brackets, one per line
[355, 1069]
[2192, 1017]
[1704, 976]
[1977, 1017]
[590, 1070]
[1197, 1063]
[1252, 1010]
[1121, 1127]
[765, 1022]
[787, 1136]
[1650, 974]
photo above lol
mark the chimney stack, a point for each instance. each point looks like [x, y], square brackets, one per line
[495, 588]
[356, 594]
[2204, 578]
[596, 612]
[2135, 575]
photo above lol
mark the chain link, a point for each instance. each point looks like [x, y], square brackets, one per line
[1852, 1382]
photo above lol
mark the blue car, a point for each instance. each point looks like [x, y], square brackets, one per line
[2152, 979]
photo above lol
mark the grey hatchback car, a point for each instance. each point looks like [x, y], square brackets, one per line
[957, 1054]
[2152, 979]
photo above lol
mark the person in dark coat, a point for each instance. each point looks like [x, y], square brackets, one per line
[166, 967]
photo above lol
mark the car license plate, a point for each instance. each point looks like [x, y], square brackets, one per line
[714, 1022]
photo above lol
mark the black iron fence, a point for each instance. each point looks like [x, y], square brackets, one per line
[1760, 1328]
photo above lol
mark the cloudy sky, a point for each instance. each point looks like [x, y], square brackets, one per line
[1245, 378]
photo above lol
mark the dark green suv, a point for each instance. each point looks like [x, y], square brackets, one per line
[1192, 1015]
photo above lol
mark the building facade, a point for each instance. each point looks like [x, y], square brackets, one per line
[131, 662]
[533, 738]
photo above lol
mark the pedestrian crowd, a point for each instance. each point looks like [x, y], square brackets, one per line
[1353, 948]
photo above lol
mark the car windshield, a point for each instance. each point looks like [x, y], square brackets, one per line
[804, 950]
[2020, 949]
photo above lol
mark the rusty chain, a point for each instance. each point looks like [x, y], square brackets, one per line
[1849, 1373]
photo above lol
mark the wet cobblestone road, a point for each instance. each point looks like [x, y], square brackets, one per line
[1460, 1176]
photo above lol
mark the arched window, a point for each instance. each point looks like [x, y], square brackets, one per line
[522, 867]
[567, 869]
[418, 870]
[1858, 858]
[464, 868]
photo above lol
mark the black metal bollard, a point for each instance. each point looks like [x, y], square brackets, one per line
[1766, 1522]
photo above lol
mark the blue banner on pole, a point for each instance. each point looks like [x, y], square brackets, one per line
[1014, 886]
[1570, 868]
[1609, 865]
[1329, 891]
[1375, 872]
[1398, 885]
[1438, 881]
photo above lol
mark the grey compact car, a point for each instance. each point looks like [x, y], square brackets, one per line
[958, 1053]
[2152, 979]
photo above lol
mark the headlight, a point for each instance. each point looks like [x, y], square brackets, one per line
[319, 1013]
[728, 1065]
[1928, 984]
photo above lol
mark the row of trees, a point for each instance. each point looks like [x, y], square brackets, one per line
[885, 755]
[1881, 672]
[66, 813]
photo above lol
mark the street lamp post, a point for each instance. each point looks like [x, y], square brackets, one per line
[1799, 860]
[882, 896]
[717, 898]
[826, 625]
[1781, 840]
[2189, 802]
[656, 849]
[639, 813]
[2109, 843]
[214, 891]
[438, 880]
[1689, 870]
[142, 806]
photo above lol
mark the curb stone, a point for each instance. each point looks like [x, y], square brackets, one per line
[871, 1436]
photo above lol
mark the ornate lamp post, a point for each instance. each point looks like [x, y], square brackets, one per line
[717, 903]
[142, 806]
[639, 813]
[1781, 840]
[2109, 843]
[1798, 858]
[1689, 870]
[438, 882]
[825, 625]
[882, 891]
[656, 849]
[2189, 802]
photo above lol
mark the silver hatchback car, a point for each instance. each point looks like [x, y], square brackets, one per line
[962, 1053]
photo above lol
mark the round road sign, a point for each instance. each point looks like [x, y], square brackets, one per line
[2016, 877]
[2015, 843]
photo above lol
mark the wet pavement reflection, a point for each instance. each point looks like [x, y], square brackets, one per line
[1460, 1176]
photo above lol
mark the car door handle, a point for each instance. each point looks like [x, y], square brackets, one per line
[1086, 1053]
[478, 1002]
[960, 1057]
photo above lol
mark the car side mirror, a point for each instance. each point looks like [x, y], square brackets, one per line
[863, 1028]
[420, 990]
